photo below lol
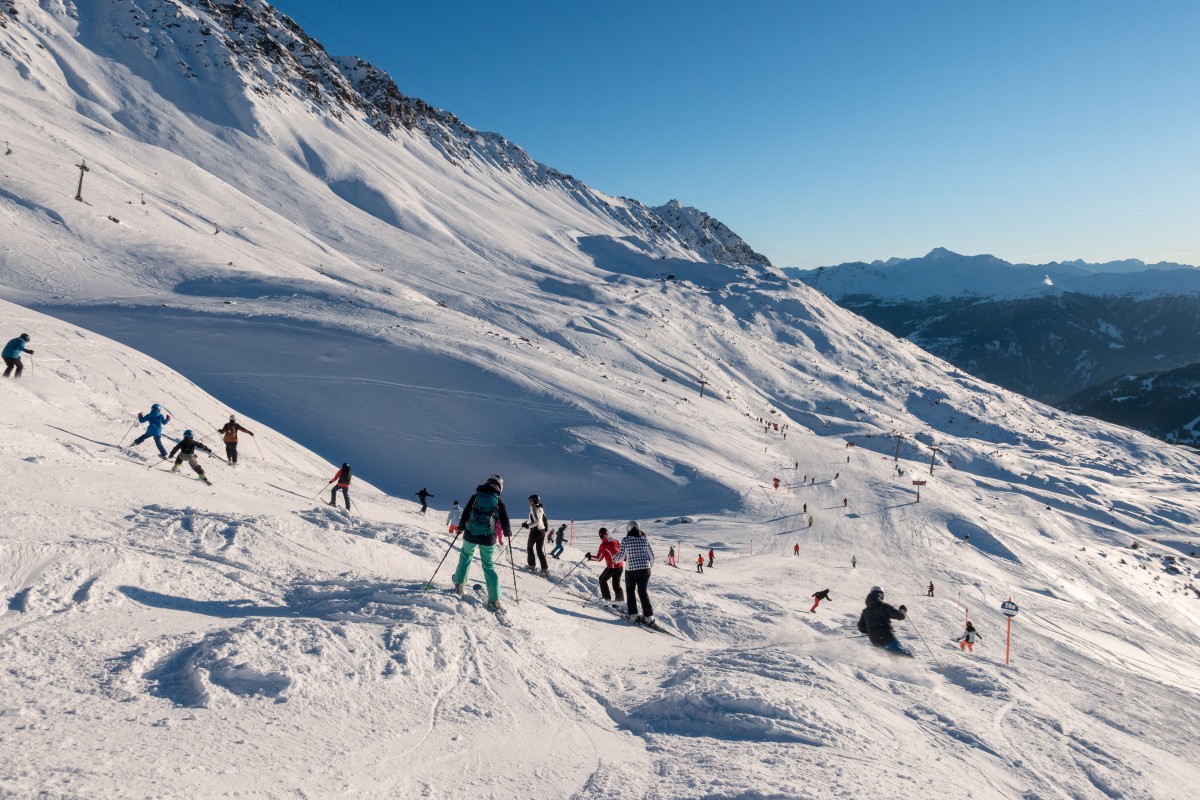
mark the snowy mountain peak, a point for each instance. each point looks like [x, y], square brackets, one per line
[709, 236]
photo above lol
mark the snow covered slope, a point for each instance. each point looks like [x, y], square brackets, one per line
[163, 638]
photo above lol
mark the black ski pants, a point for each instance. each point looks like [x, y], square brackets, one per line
[613, 574]
[637, 582]
[536, 543]
[231, 452]
[345, 494]
[10, 364]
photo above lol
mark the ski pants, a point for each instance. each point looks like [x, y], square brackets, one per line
[700, 567]
[13, 363]
[710, 560]
[536, 543]
[613, 573]
[968, 646]
[487, 554]
[345, 495]
[636, 583]
[193, 462]
[162, 451]
[231, 452]
[557, 551]
[894, 646]
[816, 602]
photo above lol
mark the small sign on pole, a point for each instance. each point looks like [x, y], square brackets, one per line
[1009, 608]
[918, 484]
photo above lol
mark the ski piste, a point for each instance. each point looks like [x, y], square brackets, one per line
[501, 614]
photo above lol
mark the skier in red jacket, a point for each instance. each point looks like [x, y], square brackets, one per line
[606, 552]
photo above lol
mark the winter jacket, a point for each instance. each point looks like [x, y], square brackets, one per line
[636, 552]
[343, 478]
[156, 420]
[453, 516]
[231, 429]
[502, 523]
[876, 620]
[537, 519]
[822, 595]
[607, 551]
[14, 348]
[187, 447]
[560, 535]
[971, 636]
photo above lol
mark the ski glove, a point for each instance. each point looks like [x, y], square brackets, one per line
[903, 609]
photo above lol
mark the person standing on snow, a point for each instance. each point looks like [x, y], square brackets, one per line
[639, 557]
[796, 549]
[537, 525]
[560, 536]
[12, 354]
[230, 430]
[876, 622]
[607, 552]
[853, 562]
[453, 517]
[711, 557]
[156, 420]
[424, 495]
[343, 483]
[700, 563]
[817, 598]
[929, 592]
[187, 448]
[968, 639]
[671, 557]
[483, 517]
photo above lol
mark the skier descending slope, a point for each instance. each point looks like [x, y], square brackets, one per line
[343, 482]
[187, 448]
[230, 430]
[156, 420]
[12, 355]
[876, 622]
[484, 513]
[638, 557]
[424, 496]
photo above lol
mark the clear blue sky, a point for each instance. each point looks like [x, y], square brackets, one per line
[833, 131]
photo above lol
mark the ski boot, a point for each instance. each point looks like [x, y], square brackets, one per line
[459, 590]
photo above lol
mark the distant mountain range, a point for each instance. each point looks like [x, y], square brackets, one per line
[1057, 332]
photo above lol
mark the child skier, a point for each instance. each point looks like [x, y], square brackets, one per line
[639, 556]
[230, 430]
[453, 517]
[537, 524]
[483, 516]
[968, 639]
[187, 448]
[343, 483]
[817, 598]
[156, 420]
[560, 536]
[613, 567]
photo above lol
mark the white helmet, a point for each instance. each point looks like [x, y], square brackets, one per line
[497, 480]
[631, 526]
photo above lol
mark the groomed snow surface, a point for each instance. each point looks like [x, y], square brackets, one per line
[161, 638]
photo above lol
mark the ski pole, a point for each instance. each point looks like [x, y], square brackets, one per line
[429, 583]
[927, 647]
[318, 494]
[260, 452]
[564, 577]
[131, 427]
[513, 564]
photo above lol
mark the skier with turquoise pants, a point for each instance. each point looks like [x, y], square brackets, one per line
[483, 519]
[156, 419]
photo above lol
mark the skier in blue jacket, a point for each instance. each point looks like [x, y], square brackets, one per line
[156, 420]
[12, 355]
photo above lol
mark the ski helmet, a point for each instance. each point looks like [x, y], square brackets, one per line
[154, 407]
[496, 481]
[533, 498]
[604, 531]
[876, 590]
[188, 434]
[631, 527]
[232, 418]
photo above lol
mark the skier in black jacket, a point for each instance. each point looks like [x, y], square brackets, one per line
[424, 496]
[187, 448]
[876, 622]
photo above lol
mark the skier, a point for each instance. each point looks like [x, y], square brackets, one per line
[187, 447]
[560, 536]
[817, 598]
[837, 475]
[796, 549]
[671, 557]
[700, 563]
[776, 482]
[844, 501]
[613, 567]
[12, 354]
[154, 430]
[424, 496]
[810, 522]
[453, 517]
[876, 622]
[853, 562]
[639, 557]
[483, 517]
[343, 483]
[230, 429]
[929, 592]
[537, 524]
[805, 508]
[968, 639]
